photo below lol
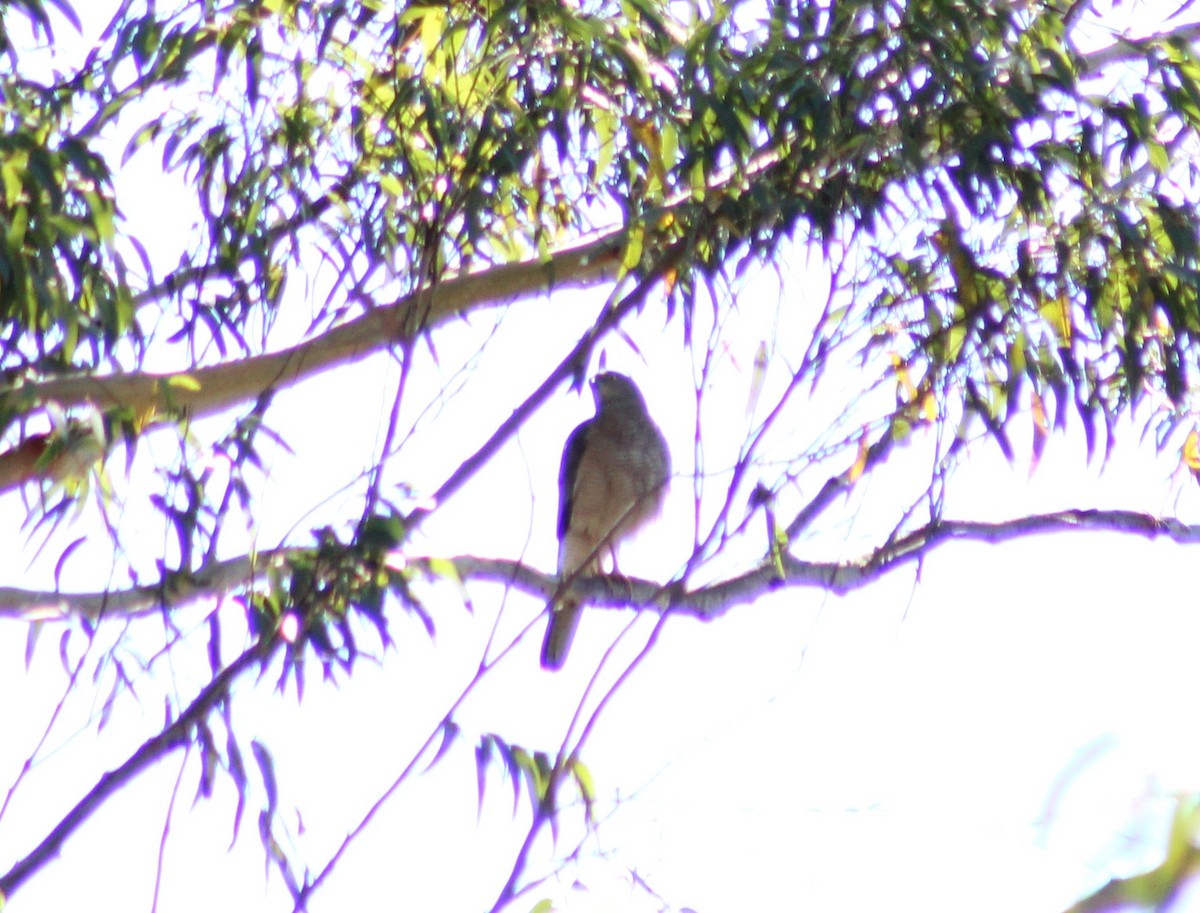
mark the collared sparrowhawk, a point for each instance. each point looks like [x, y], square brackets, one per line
[612, 482]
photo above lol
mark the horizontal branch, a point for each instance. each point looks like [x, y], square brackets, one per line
[1112, 521]
[716, 599]
[178, 590]
[852, 575]
[705, 603]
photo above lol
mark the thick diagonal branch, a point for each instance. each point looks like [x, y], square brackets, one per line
[174, 736]
[207, 390]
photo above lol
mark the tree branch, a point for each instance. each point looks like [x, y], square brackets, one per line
[842, 482]
[706, 602]
[205, 391]
[209, 390]
[716, 599]
[177, 590]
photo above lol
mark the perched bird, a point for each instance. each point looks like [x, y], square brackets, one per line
[612, 482]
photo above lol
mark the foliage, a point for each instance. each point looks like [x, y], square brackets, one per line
[1004, 218]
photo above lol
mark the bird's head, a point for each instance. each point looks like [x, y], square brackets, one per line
[611, 389]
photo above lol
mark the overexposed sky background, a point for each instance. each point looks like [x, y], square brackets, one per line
[1000, 727]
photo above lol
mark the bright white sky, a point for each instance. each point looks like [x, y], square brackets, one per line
[1006, 732]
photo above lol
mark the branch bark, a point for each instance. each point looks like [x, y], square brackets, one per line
[705, 602]
[207, 390]
[714, 600]
[215, 581]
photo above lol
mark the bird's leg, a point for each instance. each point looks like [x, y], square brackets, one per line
[616, 576]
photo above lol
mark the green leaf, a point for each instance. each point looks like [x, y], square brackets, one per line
[633, 248]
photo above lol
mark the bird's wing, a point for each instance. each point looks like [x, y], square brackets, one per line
[568, 473]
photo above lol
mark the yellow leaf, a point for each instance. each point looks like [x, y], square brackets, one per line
[432, 26]
[183, 382]
[645, 132]
[583, 777]
[670, 277]
[860, 462]
[1057, 313]
[446, 569]
[904, 378]
[392, 186]
[633, 249]
[605, 123]
[929, 410]
[1191, 451]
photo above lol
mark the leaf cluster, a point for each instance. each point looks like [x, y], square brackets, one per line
[1007, 221]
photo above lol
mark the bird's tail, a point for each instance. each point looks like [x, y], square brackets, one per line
[564, 619]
